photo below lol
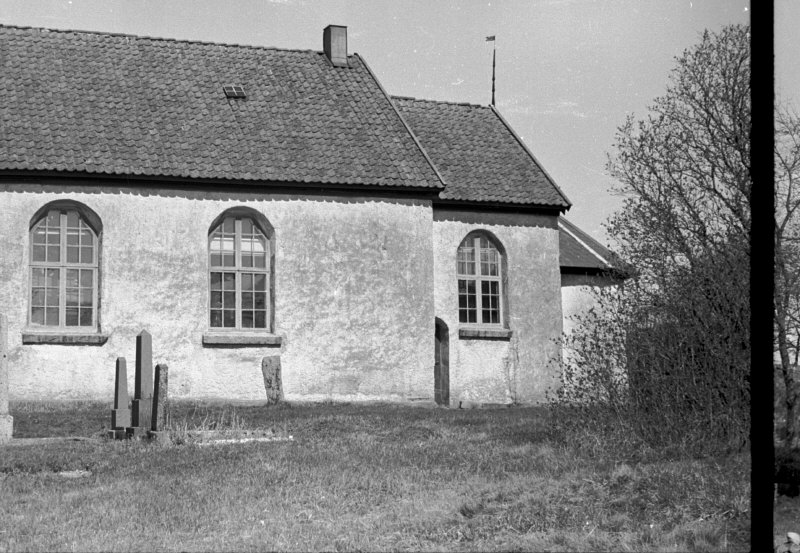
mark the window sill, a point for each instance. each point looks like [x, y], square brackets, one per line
[240, 339]
[65, 338]
[484, 333]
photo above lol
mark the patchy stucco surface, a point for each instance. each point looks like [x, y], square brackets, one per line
[353, 295]
[521, 369]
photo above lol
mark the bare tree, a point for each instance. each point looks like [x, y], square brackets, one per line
[685, 174]
[787, 262]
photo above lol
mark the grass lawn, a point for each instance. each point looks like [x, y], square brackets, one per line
[357, 477]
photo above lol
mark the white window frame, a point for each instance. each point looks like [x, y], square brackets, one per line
[238, 269]
[478, 278]
[62, 266]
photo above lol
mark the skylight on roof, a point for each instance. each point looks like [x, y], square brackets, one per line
[234, 91]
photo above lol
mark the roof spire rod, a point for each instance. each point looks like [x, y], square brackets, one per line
[494, 55]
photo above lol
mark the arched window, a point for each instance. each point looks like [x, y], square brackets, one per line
[241, 260]
[64, 274]
[480, 267]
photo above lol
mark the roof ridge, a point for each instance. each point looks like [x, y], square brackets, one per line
[396, 97]
[159, 39]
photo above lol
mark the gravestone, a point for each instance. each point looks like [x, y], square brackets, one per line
[161, 399]
[6, 420]
[142, 405]
[271, 369]
[120, 414]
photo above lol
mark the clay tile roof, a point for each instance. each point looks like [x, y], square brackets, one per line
[580, 251]
[478, 154]
[124, 105]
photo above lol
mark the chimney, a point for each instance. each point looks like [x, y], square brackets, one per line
[334, 42]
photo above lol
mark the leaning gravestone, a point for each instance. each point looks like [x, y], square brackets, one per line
[142, 406]
[6, 420]
[271, 370]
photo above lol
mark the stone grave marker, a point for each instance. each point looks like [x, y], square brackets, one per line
[142, 405]
[271, 370]
[121, 414]
[160, 403]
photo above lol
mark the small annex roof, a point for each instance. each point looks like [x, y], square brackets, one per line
[108, 104]
[478, 154]
[579, 252]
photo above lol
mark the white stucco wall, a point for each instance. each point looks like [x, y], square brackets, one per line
[523, 368]
[354, 295]
[578, 296]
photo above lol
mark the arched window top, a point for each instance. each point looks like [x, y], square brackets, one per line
[487, 236]
[86, 213]
[239, 212]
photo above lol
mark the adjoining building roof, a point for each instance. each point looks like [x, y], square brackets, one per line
[479, 156]
[579, 252]
[97, 103]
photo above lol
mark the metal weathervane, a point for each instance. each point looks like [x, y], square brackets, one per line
[494, 56]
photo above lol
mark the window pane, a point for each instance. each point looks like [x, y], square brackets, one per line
[260, 260]
[228, 260]
[53, 253]
[216, 318]
[72, 317]
[228, 225]
[73, 237]
[247, 319]
[87, 254]
[51, 316]
[37, 296]
[260, 282]
[260, 300]
[72, 254]
[216, 281]
[38, 253]
[216, 260]
[247, 260]
[247, 281]
[86, 297]
[53, 236]
[72, 297]
[37, 277]
[37, 315]
[247, 300]
[229, 281]
[261, 319]
[87, 238]
[87, 279]
[216, 300]
[72, 278]
[52, 278]
[229, 299]
[229, 318]
[86, 317]
[247, 226]
[51, 297]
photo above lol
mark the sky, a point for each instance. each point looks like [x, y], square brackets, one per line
[568, 71]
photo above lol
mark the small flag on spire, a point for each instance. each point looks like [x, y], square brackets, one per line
[490, 38]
